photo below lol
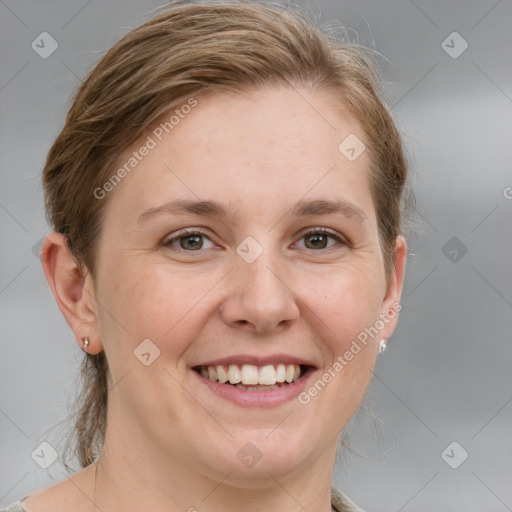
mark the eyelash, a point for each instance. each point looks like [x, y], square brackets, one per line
[196, 231]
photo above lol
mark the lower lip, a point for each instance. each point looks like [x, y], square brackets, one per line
[270, 398]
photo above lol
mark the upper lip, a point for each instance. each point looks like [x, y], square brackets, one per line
[255, 360]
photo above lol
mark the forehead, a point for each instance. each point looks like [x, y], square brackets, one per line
[246, 149]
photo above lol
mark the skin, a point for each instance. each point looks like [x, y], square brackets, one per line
[172, 444]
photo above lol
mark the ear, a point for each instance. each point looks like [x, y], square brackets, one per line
[391, 303]
[74, 292]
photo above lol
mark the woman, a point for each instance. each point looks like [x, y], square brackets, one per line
[226, 203]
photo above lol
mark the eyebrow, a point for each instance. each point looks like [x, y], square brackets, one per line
[207, 208]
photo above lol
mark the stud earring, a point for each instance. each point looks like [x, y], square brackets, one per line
[86, 343]
[382, 345]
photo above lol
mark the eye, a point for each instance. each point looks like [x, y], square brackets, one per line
[192, 240]
[318, 238]
[189, 240]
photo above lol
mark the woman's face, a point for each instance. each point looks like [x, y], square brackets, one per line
[254, 283]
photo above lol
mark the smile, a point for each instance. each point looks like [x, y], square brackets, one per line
[250, 377]
[250, 381]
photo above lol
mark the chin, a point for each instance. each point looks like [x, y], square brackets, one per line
[251, 458]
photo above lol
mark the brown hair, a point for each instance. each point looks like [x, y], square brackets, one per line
[183, 51]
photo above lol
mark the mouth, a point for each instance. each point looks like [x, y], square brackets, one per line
[267, 384]
[249, 377]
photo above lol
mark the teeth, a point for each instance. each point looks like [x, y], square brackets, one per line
[234, 374]
[212, 373]
[222, 374]
[281, 373]
[252, 377]
[290, 373]
[256, 388]
[250, 374]
[268, 375]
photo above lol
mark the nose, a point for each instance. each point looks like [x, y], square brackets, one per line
[260, 296]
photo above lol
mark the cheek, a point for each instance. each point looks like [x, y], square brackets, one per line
[345, 304]
[153, 301]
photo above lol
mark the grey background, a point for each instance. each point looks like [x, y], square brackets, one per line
[446, 374]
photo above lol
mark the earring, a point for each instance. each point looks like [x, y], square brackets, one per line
[382, 345]
[86, 343]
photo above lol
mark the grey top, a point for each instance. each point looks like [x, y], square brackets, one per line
[340, 503]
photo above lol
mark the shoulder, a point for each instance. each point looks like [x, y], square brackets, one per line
[342, 503]
[14, 507]
[59, 497]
